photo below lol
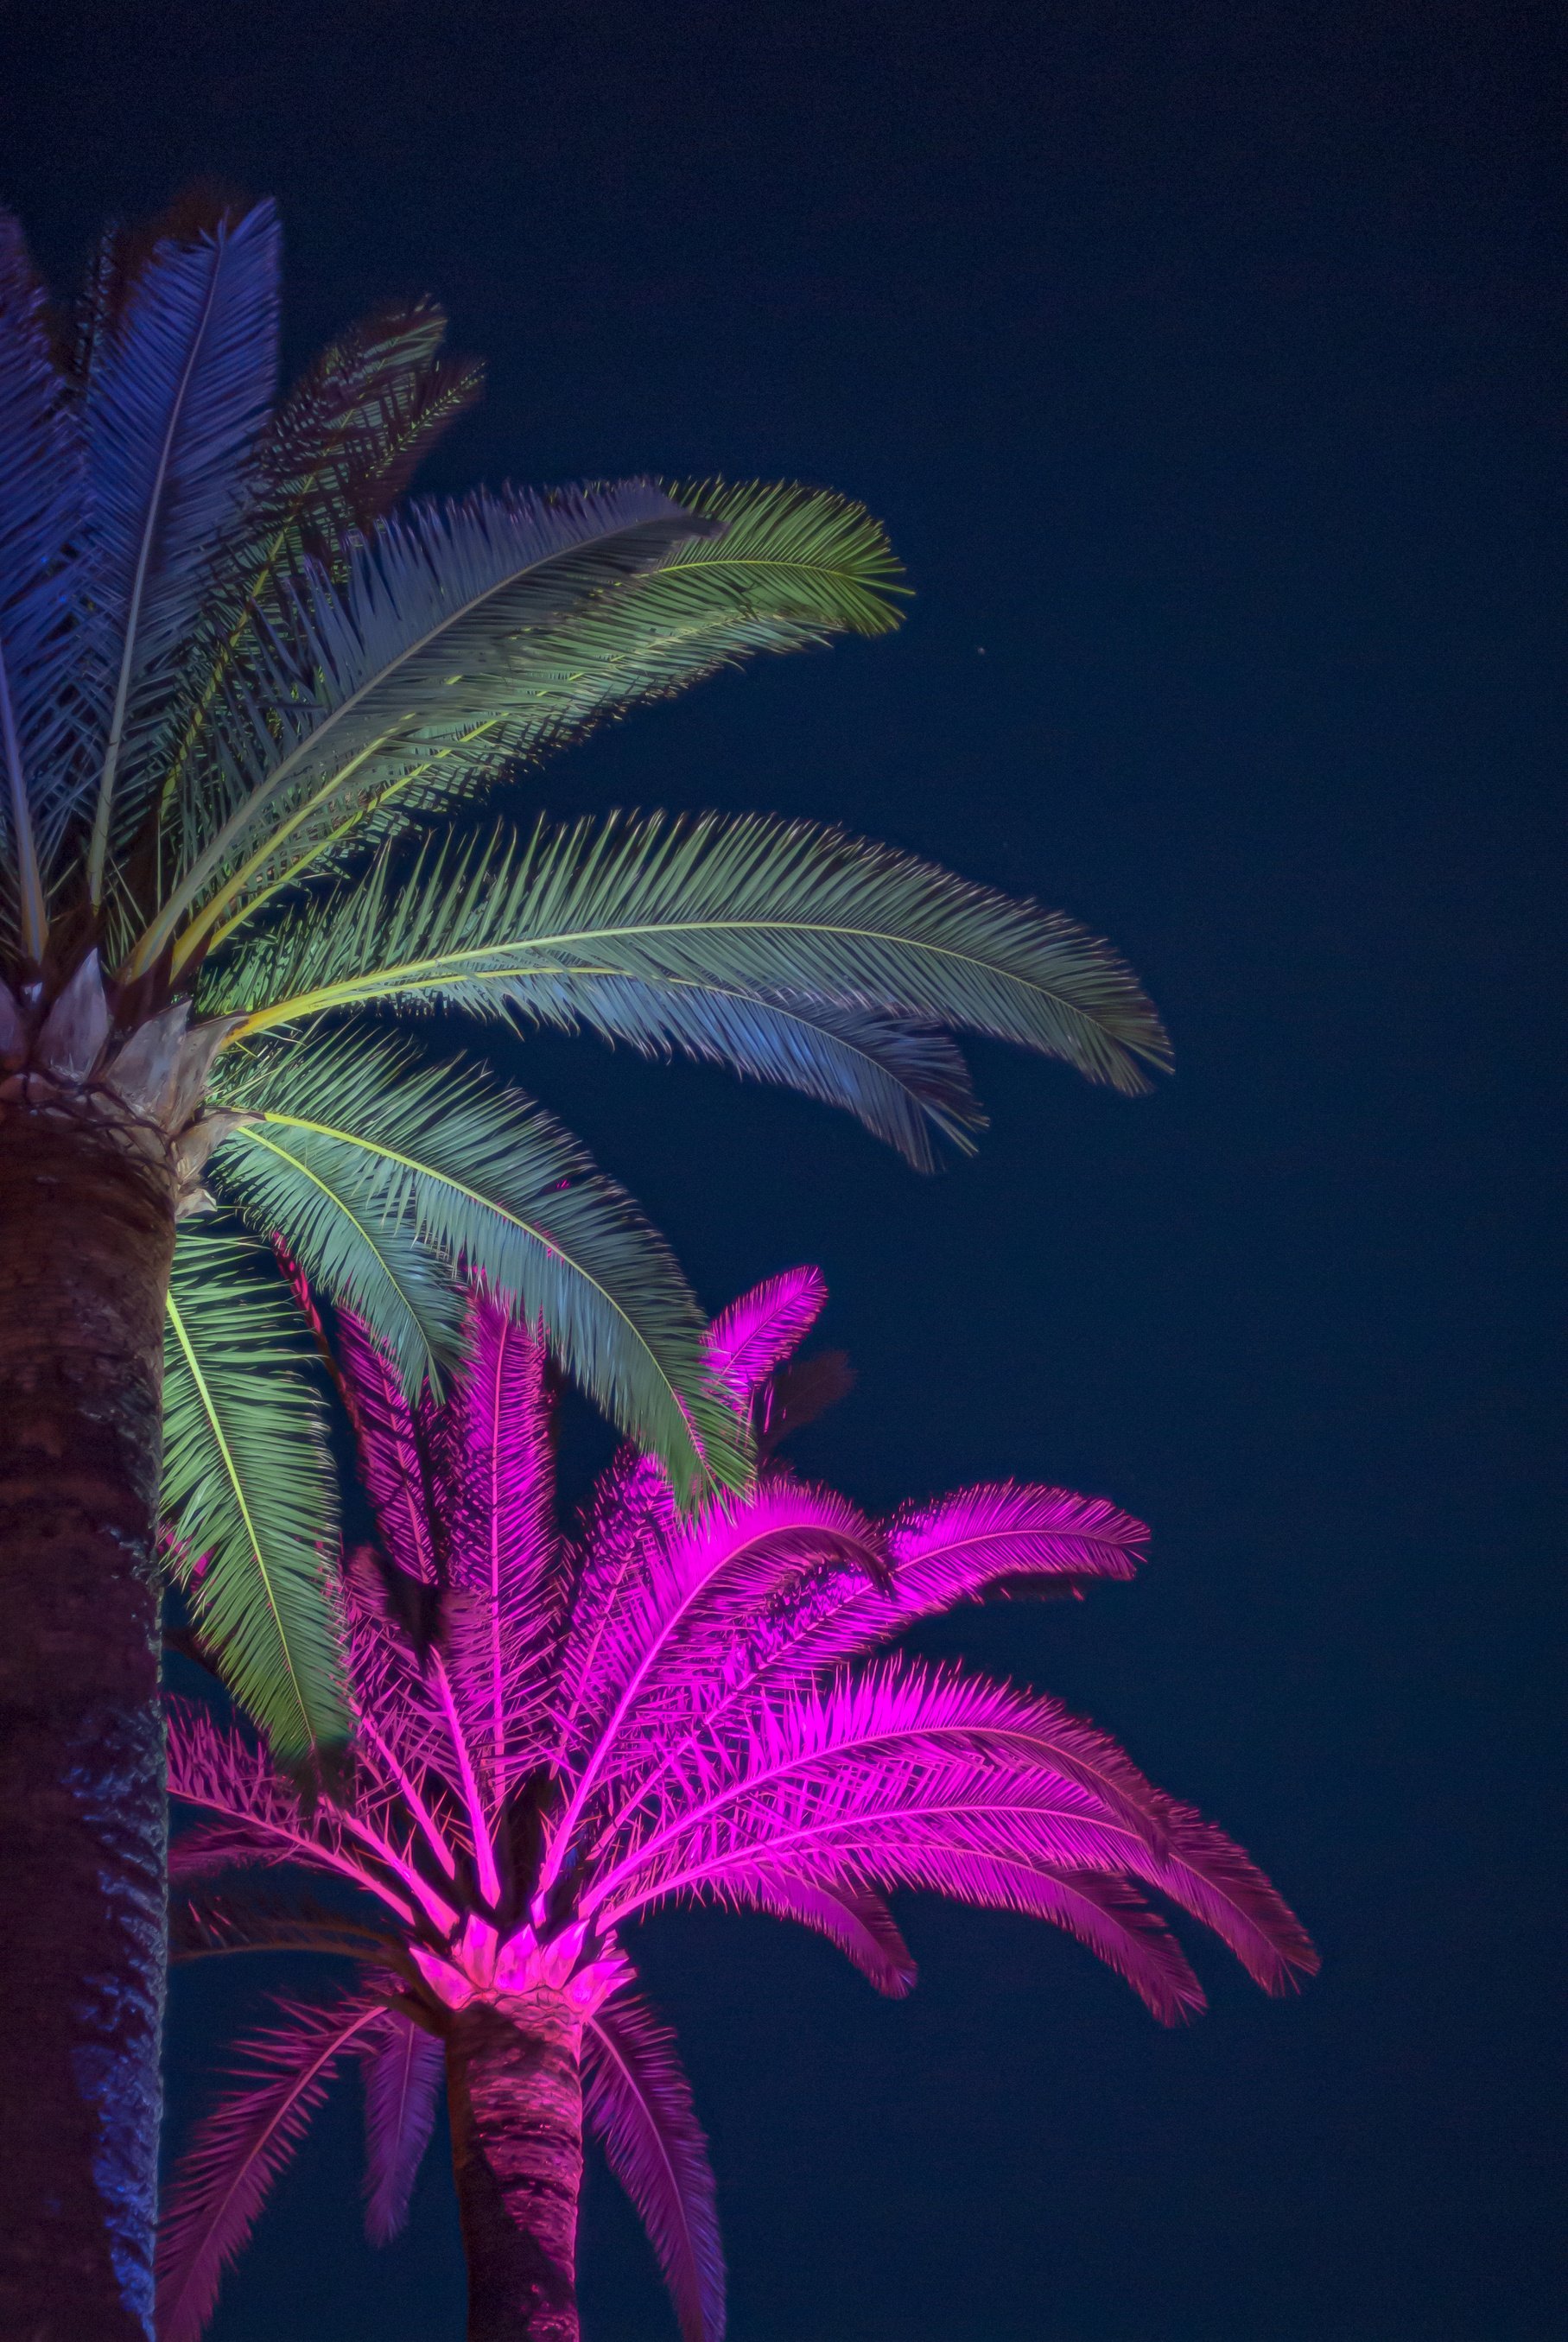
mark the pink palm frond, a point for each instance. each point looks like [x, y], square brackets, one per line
[854, 1917]
[938, 1555]
[239, 2150]
[631, 1511]
[1204, 1872]
[819, 1782]
[639, 2106]
[404, 2066]
[396, 1443]
[505, 1558]
[755, 1333]
[674, 1633]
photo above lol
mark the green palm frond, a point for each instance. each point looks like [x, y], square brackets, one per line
[481, 1175]
[792, 567]
[352, 1243]
[643, 917]
[416, 647]
[248, 1487]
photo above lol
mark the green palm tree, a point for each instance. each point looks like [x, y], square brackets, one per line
[248, 715]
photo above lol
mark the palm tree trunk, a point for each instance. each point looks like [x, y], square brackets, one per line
[86, 1238]
[515, 2089]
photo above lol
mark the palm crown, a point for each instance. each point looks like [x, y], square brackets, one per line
[245, 708]
[556, 1737]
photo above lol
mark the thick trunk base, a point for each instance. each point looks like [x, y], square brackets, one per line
[86, 1236]
[515, 2094]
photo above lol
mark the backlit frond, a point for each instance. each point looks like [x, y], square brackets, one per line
[638, 2103]
[238, 2152]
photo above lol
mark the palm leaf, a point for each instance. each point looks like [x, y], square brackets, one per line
[638, 2103]
[248, 1487]
[223, 2178]
[330, 1203]
[417, 647]
[339, 451]
[179, 385]
[807, 564]
[403, 2066]
[626, 919]
[481, 1175]
[40, 508]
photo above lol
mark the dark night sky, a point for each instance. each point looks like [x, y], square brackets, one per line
[1203, 359]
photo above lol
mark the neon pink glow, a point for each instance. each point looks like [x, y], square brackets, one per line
[559, 1733]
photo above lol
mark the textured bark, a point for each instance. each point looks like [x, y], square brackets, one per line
[86, 1238]
[516, 2093]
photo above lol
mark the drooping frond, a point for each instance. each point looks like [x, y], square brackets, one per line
[506, 1562]
[403, 2065]
[655, 912]
[368, 1260]
[854, 1917]
[757, 1333]
[481, 1175]
[210, 1923]
[638, 2105]
[1204, 1872]
[40, 519]
[1007, 1538]
[222, 2181]
[182, 377]
[823, 1785]
[421, 648]
[248, 1487]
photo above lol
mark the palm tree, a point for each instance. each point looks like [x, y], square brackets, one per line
[247, 716]
[555, 1738]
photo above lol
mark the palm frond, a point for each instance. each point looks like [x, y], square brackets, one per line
[638, 2105]
[330, 1202]
[752, 1337]
[505, 1556]
[338, 454]
[248, 1487]
[851, 1917]
[837, 1779]
[481, 1175]
[223, 2178]
[396, 1438]
[807, 564]
[417, 647]
[212, 1924]
[601, 918]
[662, 1652]
[179, 386]
[403, 2065]
[40, 516]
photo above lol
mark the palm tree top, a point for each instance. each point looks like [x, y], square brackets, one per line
[255, 707]
[556, 1735]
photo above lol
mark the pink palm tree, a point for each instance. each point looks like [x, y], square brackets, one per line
[556, 1735]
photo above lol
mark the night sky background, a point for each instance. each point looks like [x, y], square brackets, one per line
[1204, 363]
